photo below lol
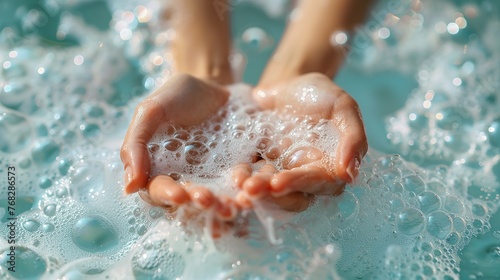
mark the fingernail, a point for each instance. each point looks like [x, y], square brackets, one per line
[353, 169]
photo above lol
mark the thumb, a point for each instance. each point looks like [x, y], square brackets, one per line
[134, 152]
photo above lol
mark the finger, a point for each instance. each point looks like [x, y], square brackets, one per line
[240, 173]
[163, 190]
[201, 197]
[293, 202]
[134, 153]
[311, 179]
[302, 156]
[258, 184]
[353, 144]
[226, 209]
[243, 201]
[219, 228]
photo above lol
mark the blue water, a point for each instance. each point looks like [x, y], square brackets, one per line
[427, 214]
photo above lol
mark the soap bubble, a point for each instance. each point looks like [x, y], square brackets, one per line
[34, 265]
[439, 224]
[16, 132]
[429, 201]
[155, 260]
[45, 152]
[94, 234]
[411, 221]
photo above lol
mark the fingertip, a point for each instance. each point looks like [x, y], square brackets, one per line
[134, 181]
[202, 198]
[240, 173]
[243, 201]
[226, 209]
[164, 190]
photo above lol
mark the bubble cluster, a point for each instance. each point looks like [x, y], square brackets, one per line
[204, 154]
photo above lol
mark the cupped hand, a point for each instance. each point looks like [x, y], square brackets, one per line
[184, 101]
[305, 172]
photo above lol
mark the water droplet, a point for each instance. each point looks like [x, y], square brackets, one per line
[48, 227]
[31, 225]
[50, 210]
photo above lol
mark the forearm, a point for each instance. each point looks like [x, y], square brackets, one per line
[306, 45]
[201, 45]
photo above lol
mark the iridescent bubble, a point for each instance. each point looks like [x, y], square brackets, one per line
[410, 221]
[94, 234]
[439, 224]
[33, 265]
[45, 152]
[16, 133]
[429, 201]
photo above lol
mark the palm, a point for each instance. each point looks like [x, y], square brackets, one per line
[184, 101]
[305, 171]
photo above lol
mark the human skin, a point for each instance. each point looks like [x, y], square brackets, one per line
[305, 55]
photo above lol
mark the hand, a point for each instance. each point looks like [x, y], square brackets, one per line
[305, 173]
[184, 101]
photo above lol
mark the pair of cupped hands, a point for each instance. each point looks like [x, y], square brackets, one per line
[188, 101]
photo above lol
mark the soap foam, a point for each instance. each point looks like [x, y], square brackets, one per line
[399, 220]
[239, 132]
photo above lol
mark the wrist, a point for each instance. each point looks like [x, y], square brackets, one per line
[302, 59]
[201, 44]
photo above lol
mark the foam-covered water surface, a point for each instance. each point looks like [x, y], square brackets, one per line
[68, 87]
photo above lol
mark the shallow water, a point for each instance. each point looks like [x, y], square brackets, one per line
[430, 89]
